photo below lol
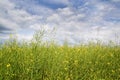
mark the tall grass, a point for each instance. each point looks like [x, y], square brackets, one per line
[36, 61]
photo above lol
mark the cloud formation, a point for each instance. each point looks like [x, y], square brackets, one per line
[74, 20]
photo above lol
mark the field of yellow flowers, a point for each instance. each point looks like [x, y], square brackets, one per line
[53, 62]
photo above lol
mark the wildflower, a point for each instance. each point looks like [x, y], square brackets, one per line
[8, 65]
[66, 69]
[96, 62]
[28, 70]
[13, 74]
[78, 50]
[113, 71]
[31, 54]
[68, 79]
[76, 62]
[111, 55]
[91, 70]
[118, 69]
[108, 63]
[90, 62]
[65, 62]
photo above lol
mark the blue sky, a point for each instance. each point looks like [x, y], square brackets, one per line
[73, 20]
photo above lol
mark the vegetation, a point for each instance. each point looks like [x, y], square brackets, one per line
[42, 61]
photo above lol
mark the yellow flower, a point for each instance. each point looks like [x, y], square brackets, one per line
[8, 65]
[111, 55]
[113, 71]
[68, 79]
[108, 63]
[78, 50]
[66, 69]
[28, 70]
[118, 69]
[13, 74]
[76, 62]
[31, 60]
[65, 62]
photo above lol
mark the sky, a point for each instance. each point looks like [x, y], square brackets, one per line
[75, 21]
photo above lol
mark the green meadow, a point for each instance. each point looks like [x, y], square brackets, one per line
[43, 61]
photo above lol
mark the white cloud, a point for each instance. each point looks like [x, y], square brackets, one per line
[70, 26]
[116, 0]
[74, 25]
[24, 37]
[66, 2]
[15, 19]
[6, 4]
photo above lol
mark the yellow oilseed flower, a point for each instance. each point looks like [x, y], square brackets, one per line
[111, 55]
[118, 69]
[65, 62]
[68, 79]
[78, 50]
[8, 65]
[113, 71]
[76, 62]
[96, 62]
[90, 62]
[13, 74]
[66, 69]
[108, 63]
[28, 70]
[91, 70]
[31, 54]
[31, 60]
